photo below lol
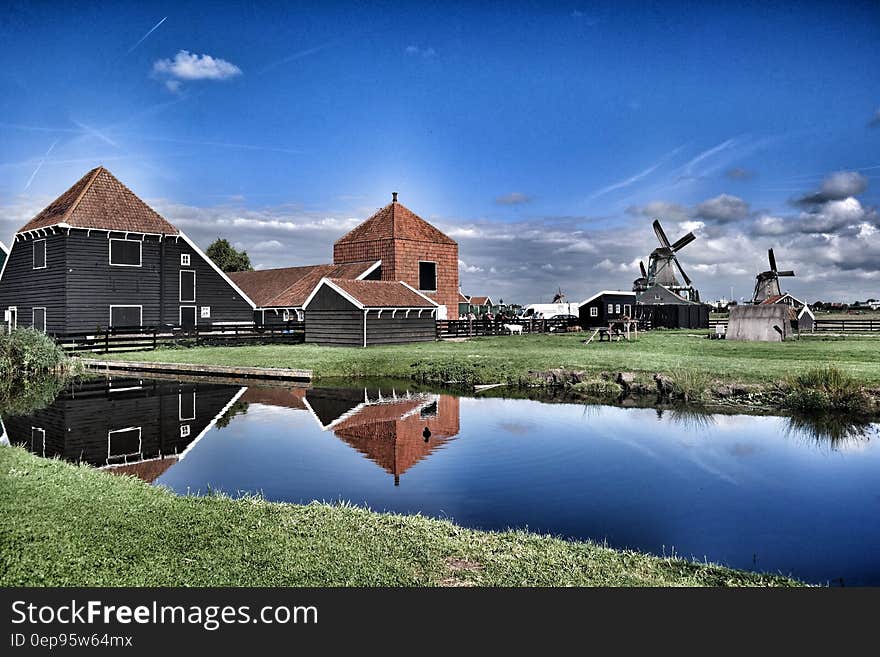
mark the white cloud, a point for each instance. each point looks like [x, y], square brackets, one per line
[268, 245]
[514, 198]
[468, 269]
[190, 66]
[415, 50]
[837, 187]
[723, 208]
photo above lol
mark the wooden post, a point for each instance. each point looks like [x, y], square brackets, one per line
[107, 341]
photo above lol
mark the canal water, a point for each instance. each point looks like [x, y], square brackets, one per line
[756, 492]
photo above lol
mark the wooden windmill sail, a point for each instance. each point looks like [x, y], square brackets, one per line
[767, 282]
[663, 264]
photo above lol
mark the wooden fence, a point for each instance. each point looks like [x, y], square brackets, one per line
[825, 325]
[142, 338]
[464, 328]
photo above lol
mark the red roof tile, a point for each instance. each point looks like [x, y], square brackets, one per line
[479, 301]
[773, 299]
[383, 294]
[395, 221]
[289, 287]
[462, 298]
[98, 200]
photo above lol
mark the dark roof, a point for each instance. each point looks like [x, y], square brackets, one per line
[383, 294]
[395, 221]
[98, 200]
[289, 287]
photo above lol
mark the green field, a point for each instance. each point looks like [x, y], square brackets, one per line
[68, 525]
[510, 358]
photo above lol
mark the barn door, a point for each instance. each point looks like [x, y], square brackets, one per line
[188, 318]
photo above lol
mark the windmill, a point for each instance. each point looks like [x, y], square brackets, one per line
[767, 282]
[662, 264]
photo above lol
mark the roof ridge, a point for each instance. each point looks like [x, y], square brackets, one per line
[95, 173]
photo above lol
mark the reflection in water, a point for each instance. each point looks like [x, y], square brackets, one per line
[738, 489]
[395, 431]
[127, 425]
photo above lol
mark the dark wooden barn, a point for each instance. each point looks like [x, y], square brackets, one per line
[99, 257]
[355, 313]
[605, 306]
[137, 425]
[662, 308]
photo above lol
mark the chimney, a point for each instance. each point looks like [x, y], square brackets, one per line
[394, 197]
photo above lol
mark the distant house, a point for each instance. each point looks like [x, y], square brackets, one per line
[394, 244]
[800, 315]
[605, 306]
[464, 305]
[98, 256]
[341, 312]
[481, 306]
[663, 308]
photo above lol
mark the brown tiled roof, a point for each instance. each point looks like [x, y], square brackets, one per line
[395, 221]
[462, 298]
[773, 299]
[479, 301]
[148, 470]
[289, 287]
[383, 294]
[270, 396]
[99, 200]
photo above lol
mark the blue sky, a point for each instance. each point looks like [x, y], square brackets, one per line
[544, 138]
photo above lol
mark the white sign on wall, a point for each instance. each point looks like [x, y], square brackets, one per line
[206, 312]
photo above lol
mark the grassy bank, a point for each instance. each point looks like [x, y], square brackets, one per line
[510, 358]
[66, 525]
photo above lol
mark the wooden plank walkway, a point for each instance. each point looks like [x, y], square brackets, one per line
[277, 373]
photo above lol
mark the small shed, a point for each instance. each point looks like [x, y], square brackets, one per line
[606, 306]
[660, 307]
[806, 320]
[357, 313]
[760, 323]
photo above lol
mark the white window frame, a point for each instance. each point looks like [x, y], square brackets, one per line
[122, 239]
[125, 456]
[617, 309]
[180, 286]
[45, 255]
[180, 407]
[180, 315]
[185, 431]
[627, 310]
[43, 432]
[13, 317]
[45, 317]
[285, 315]
[436, 277]
[185, 260]
[141, 308]
[594, 311]
[610, 308]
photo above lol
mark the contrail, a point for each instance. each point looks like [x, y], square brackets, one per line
[298, 55]
[33, 175]
[143, 38]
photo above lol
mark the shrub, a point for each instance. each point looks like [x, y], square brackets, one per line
[25, 352]
[823, 389]
[598, 388]
[688, 385]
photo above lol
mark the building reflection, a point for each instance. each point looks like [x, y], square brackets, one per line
[395, 430]
[125, 425]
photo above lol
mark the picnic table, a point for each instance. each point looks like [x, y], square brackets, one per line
[624, 328]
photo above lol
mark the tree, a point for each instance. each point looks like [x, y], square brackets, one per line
[227, 257]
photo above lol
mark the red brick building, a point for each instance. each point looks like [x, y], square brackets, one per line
[411, 250]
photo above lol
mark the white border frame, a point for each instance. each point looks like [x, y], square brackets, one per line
[195, 315]
[180, 274]
[185, 260]
[180, 417]
[140, 244]
[13, 325]
[125, 456]
[45, 254]
[140, 307]
[436, 277]
[45, 317]
[43, 452]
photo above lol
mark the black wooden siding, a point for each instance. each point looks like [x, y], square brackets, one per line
[25, 287]
[601, 303]
[79, 285]
[77, 424]
[332, 320]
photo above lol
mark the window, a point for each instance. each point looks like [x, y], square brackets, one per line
[40, 254]
[184, 431]
[39, 319]
[187, 285]
[594, 311]
[428, 411]
[285, 315]
[610, 308]
[428, 276]
[38, 441]
[184, 259]
[125, 253]
[124, 442]
[628, 310]
[186, 404]
[127, 316]
[617, 309]
[206, 312]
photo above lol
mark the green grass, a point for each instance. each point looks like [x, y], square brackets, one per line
[510, 358]
[67, 525]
